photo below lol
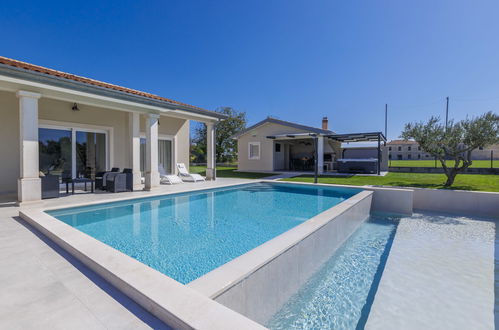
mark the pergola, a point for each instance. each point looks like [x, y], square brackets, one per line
[351, 137]
[362, 137]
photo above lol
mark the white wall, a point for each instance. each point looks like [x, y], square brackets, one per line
[471, 203]
[259, 134]
[9, 143]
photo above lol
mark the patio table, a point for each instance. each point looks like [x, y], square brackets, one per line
[79, 180]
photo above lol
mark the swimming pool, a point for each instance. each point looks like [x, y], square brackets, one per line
[340, 294]
[187, 235]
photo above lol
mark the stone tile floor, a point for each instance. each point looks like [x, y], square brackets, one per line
[44, 287]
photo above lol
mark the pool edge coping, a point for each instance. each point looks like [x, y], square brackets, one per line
[123, 271]
[182, 307]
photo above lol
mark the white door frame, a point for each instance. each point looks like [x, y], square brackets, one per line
[73, 128]
[173, 140]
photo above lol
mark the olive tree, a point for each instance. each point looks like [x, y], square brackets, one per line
[456, 142]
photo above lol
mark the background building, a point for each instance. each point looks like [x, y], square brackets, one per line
[410, 150]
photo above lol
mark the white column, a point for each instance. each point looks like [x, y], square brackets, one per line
[29, 184]
[320, 154]
[152, 174]
[210, 151]
[134, 131]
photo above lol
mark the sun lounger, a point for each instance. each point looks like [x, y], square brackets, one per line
[167, 178]
[186, 176]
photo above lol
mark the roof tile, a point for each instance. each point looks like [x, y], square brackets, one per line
[60, 74]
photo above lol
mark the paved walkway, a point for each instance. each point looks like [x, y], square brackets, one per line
[285, 175]
[439, 275]
[43, 287]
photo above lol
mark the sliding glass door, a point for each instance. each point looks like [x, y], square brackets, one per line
[165, 155]
[90, 154]
[71, 152]
[55, 151]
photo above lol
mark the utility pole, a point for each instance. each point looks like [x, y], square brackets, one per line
[386, 120]
[316, 160]
[447, 114]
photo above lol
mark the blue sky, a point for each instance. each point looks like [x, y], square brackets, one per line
[295, 60]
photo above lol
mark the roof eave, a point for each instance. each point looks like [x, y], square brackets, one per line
[283, 123]
[38, 77]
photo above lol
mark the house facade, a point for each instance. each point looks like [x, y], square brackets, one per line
[58, 123]
[277, 145]
[406, 150]
[274, 145]
[410, 150]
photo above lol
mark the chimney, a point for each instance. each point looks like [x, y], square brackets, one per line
[324, 122]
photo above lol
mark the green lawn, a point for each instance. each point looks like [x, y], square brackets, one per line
[431, 163]
[420, 180]
[230, 172]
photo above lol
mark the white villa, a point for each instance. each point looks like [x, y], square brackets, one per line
[278, 145]
[56, 122]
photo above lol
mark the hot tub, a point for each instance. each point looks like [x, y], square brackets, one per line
[358, 165]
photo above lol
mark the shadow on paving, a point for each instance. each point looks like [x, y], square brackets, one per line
[113, 292]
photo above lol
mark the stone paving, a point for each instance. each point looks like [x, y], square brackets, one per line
[43, 287]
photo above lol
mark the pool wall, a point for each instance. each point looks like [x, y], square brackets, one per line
[259, 282]
[471, 203]
[385, 199]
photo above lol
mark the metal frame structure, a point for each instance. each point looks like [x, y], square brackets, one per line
[362, 137]
[352, 137]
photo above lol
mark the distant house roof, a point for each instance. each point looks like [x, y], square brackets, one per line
[402, 142]
[6, 62]
[283, 123]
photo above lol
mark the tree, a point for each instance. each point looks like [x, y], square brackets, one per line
[455, 142]
[226, 147]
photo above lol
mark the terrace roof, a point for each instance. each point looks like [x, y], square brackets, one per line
[358, 137]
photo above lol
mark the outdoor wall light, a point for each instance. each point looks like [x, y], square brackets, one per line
[75, 107]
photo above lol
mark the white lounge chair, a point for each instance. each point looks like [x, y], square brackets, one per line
[167, 178]
[186, 176]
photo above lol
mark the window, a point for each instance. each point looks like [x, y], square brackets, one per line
[426, 156]
[277, 147]
[399, 157]
[389, 148]
[409, 156]
[254, 150]
[409, 148]
[480, 148]
[400, 148]
[419, 156]
[419, 148]
[165, 155]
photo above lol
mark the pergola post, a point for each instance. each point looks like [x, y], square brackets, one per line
[379, 154]
[320, 154]
[316, 158]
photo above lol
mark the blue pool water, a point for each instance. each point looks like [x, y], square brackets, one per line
[340, 294]
[187, 235]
